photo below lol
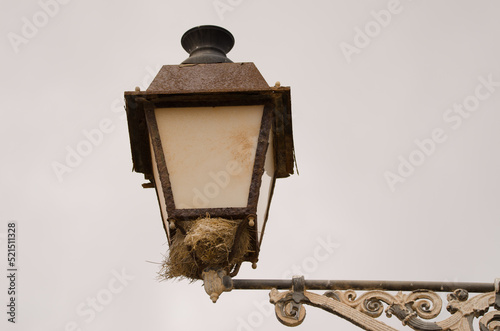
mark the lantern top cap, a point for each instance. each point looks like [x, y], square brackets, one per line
[207, 44]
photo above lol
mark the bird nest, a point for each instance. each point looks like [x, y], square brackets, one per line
[206, 242]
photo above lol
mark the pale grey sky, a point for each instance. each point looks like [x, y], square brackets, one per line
[396, 133]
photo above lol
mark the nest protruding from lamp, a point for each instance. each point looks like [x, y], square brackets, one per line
[208, 242]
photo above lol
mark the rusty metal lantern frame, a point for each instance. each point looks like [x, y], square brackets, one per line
[232, 84]
[209, 79]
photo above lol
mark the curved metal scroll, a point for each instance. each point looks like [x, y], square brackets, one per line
[413, 309]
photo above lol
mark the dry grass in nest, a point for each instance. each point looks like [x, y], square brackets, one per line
[208, 243]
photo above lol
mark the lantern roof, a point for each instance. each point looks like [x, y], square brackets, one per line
[192, 78]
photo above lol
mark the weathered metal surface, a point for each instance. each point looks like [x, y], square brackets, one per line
[288, 308]
[258, 170]
[497, 291]
[139, 137]
[195, 78]
[260, 157]
[283, 134]
[158, 155]
[207, 44]
[189, 214]
[330, 305]
[362, 285]
[243, 224]
[413, 309]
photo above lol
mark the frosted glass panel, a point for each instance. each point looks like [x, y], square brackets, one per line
[210, 153]
[265, 188]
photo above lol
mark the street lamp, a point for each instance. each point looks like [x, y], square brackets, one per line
[212, 137]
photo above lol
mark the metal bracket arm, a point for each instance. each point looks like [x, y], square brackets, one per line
[412, 309]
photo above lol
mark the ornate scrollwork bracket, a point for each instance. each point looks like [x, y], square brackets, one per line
[413, 309]
[288, 306]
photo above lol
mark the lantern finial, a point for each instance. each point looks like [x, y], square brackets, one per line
[207, 44]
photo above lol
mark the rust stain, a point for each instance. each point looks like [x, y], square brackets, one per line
[243, 149]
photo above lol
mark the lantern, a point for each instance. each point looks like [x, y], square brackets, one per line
[211, 137]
